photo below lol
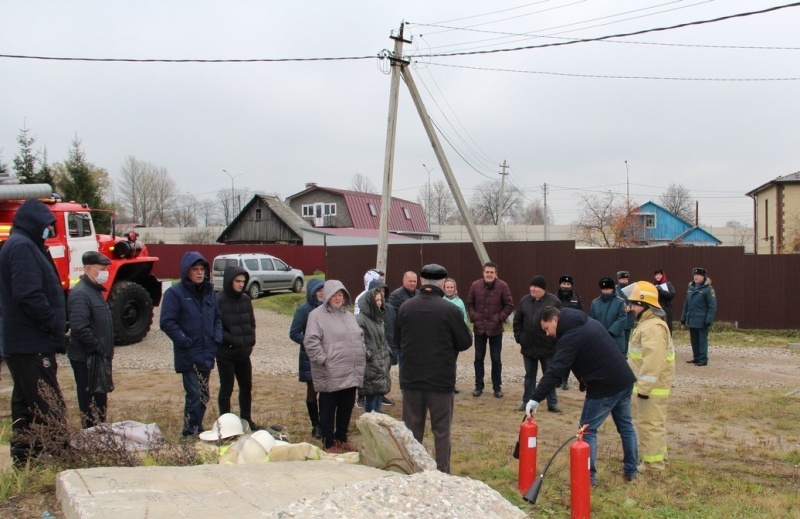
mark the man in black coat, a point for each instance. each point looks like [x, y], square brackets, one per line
[535, 345]
[586, 348]
[430, 332]
[238, 339]
[569, 299]
[92, 333]
[34, 324]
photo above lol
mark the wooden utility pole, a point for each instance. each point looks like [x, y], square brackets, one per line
[466, 215]
[546, 225]
[501, 202]
[391, 130]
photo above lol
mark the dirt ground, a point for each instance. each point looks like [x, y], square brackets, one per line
[146, 384]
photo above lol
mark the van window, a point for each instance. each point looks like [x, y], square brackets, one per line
[251, 264]
[266, 264]
[222, 263]
[279, 265]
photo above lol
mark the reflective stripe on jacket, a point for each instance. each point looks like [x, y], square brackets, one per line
[651, 356]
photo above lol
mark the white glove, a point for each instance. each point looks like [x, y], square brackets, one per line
[531, 407]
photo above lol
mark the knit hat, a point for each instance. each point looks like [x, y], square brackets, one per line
[539, 281]
[606, 283]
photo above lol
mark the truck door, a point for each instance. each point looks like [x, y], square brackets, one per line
[80, 238]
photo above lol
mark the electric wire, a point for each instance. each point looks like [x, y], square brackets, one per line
[192, 60]
[444, 136]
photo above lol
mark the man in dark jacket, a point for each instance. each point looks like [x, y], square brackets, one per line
[238, 339]
[609, 310]
[666, 292]
[430, 332]
[34, 324]
[535, 345]
[92, 334]
[190, 316]
[569, 299]
[587, 349]
[297, 332]
[396, 300]
[623, 280]
[489, 304]
[698, 314]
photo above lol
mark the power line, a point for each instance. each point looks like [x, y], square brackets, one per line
[603, 76]
[163, 60]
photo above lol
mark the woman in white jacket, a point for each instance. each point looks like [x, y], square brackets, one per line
[335, 345]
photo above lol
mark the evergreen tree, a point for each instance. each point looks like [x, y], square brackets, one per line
[3, 165]
[25, 162]
[44, 175]
[81, 185]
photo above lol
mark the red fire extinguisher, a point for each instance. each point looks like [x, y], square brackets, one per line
[580, 482]
[528, 432]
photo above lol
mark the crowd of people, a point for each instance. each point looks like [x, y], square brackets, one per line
[620, 350]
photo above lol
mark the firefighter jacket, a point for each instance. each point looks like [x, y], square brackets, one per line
[651, 355]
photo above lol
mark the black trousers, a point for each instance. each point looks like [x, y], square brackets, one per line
[242, 371]
[31, 404]
[92, 405]
[416, 405]
[335, 410]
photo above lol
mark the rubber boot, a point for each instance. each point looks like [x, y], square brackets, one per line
[313, 415]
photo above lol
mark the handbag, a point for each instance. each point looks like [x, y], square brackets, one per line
[99, 367]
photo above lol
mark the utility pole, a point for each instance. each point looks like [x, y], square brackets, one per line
[391, 130]
[233, 196]
[546, 225]
[627, 186]
[501, 201]
[428, 198]
[466, 215]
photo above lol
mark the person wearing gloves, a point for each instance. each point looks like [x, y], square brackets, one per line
[586, 348]
[297, 332]
[376, 376]
[535, 346]
[609, 309]
[238, 339]
[666, 292]
[698, 314]
[335, 345]
[92, 333]
[652, 359]
[191, 318]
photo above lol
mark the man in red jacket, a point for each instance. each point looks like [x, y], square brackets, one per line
[489, 304]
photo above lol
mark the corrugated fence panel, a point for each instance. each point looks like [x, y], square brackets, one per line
[755, 291]
[306, 258]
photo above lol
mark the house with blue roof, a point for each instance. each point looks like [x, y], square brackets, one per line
[657, 226]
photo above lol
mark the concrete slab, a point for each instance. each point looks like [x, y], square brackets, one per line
[205, 491]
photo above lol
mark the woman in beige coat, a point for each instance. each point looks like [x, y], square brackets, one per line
[335, 345]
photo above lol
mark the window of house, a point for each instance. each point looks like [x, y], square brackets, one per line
[407, 213]
[258, 215]
[329, 209]
[308, 210]
[649, 221]
[372, 209]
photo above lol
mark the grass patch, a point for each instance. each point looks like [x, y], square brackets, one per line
[284, 303]
[724, 333]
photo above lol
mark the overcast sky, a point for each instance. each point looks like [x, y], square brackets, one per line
[279, 125]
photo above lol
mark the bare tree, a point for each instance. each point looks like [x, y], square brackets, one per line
[200, 237]
[532, 214]
[677, 200]
[184, 213]
[438, 204]
[608, 220]
[138, 190]
[487, 207]
[362, 184]
[164, 197]
[742, 234]
[208, 212]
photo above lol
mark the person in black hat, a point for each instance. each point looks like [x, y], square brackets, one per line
[569, 299]
[430, 332]
[623, 280]
[535, 345]
[92, 334]
[698, 314]
[609, 310]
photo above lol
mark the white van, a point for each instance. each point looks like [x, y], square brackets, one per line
[267, 273]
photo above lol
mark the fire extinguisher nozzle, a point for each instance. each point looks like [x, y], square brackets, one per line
[533, 492]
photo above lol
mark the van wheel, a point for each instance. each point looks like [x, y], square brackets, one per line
[254, 291]
[131, 312]
[298, 285]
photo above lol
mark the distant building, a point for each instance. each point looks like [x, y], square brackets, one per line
[325, 207]
[656, 225]
[776, 215]
[265, 219]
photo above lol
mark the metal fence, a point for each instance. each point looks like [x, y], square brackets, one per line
[753, 291]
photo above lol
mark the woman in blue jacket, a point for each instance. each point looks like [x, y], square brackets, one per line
[297, 332]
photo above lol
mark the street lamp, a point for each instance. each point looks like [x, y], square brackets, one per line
[428, 197]
[233, 196]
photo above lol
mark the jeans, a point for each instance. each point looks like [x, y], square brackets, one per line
[242, 371]
[373, 403]
[595, 411]
[495, 349]
[195, 383]
[92, 405]
[531, 368]
[699, 338]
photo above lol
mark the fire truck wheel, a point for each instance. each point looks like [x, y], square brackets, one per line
[131, 311]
